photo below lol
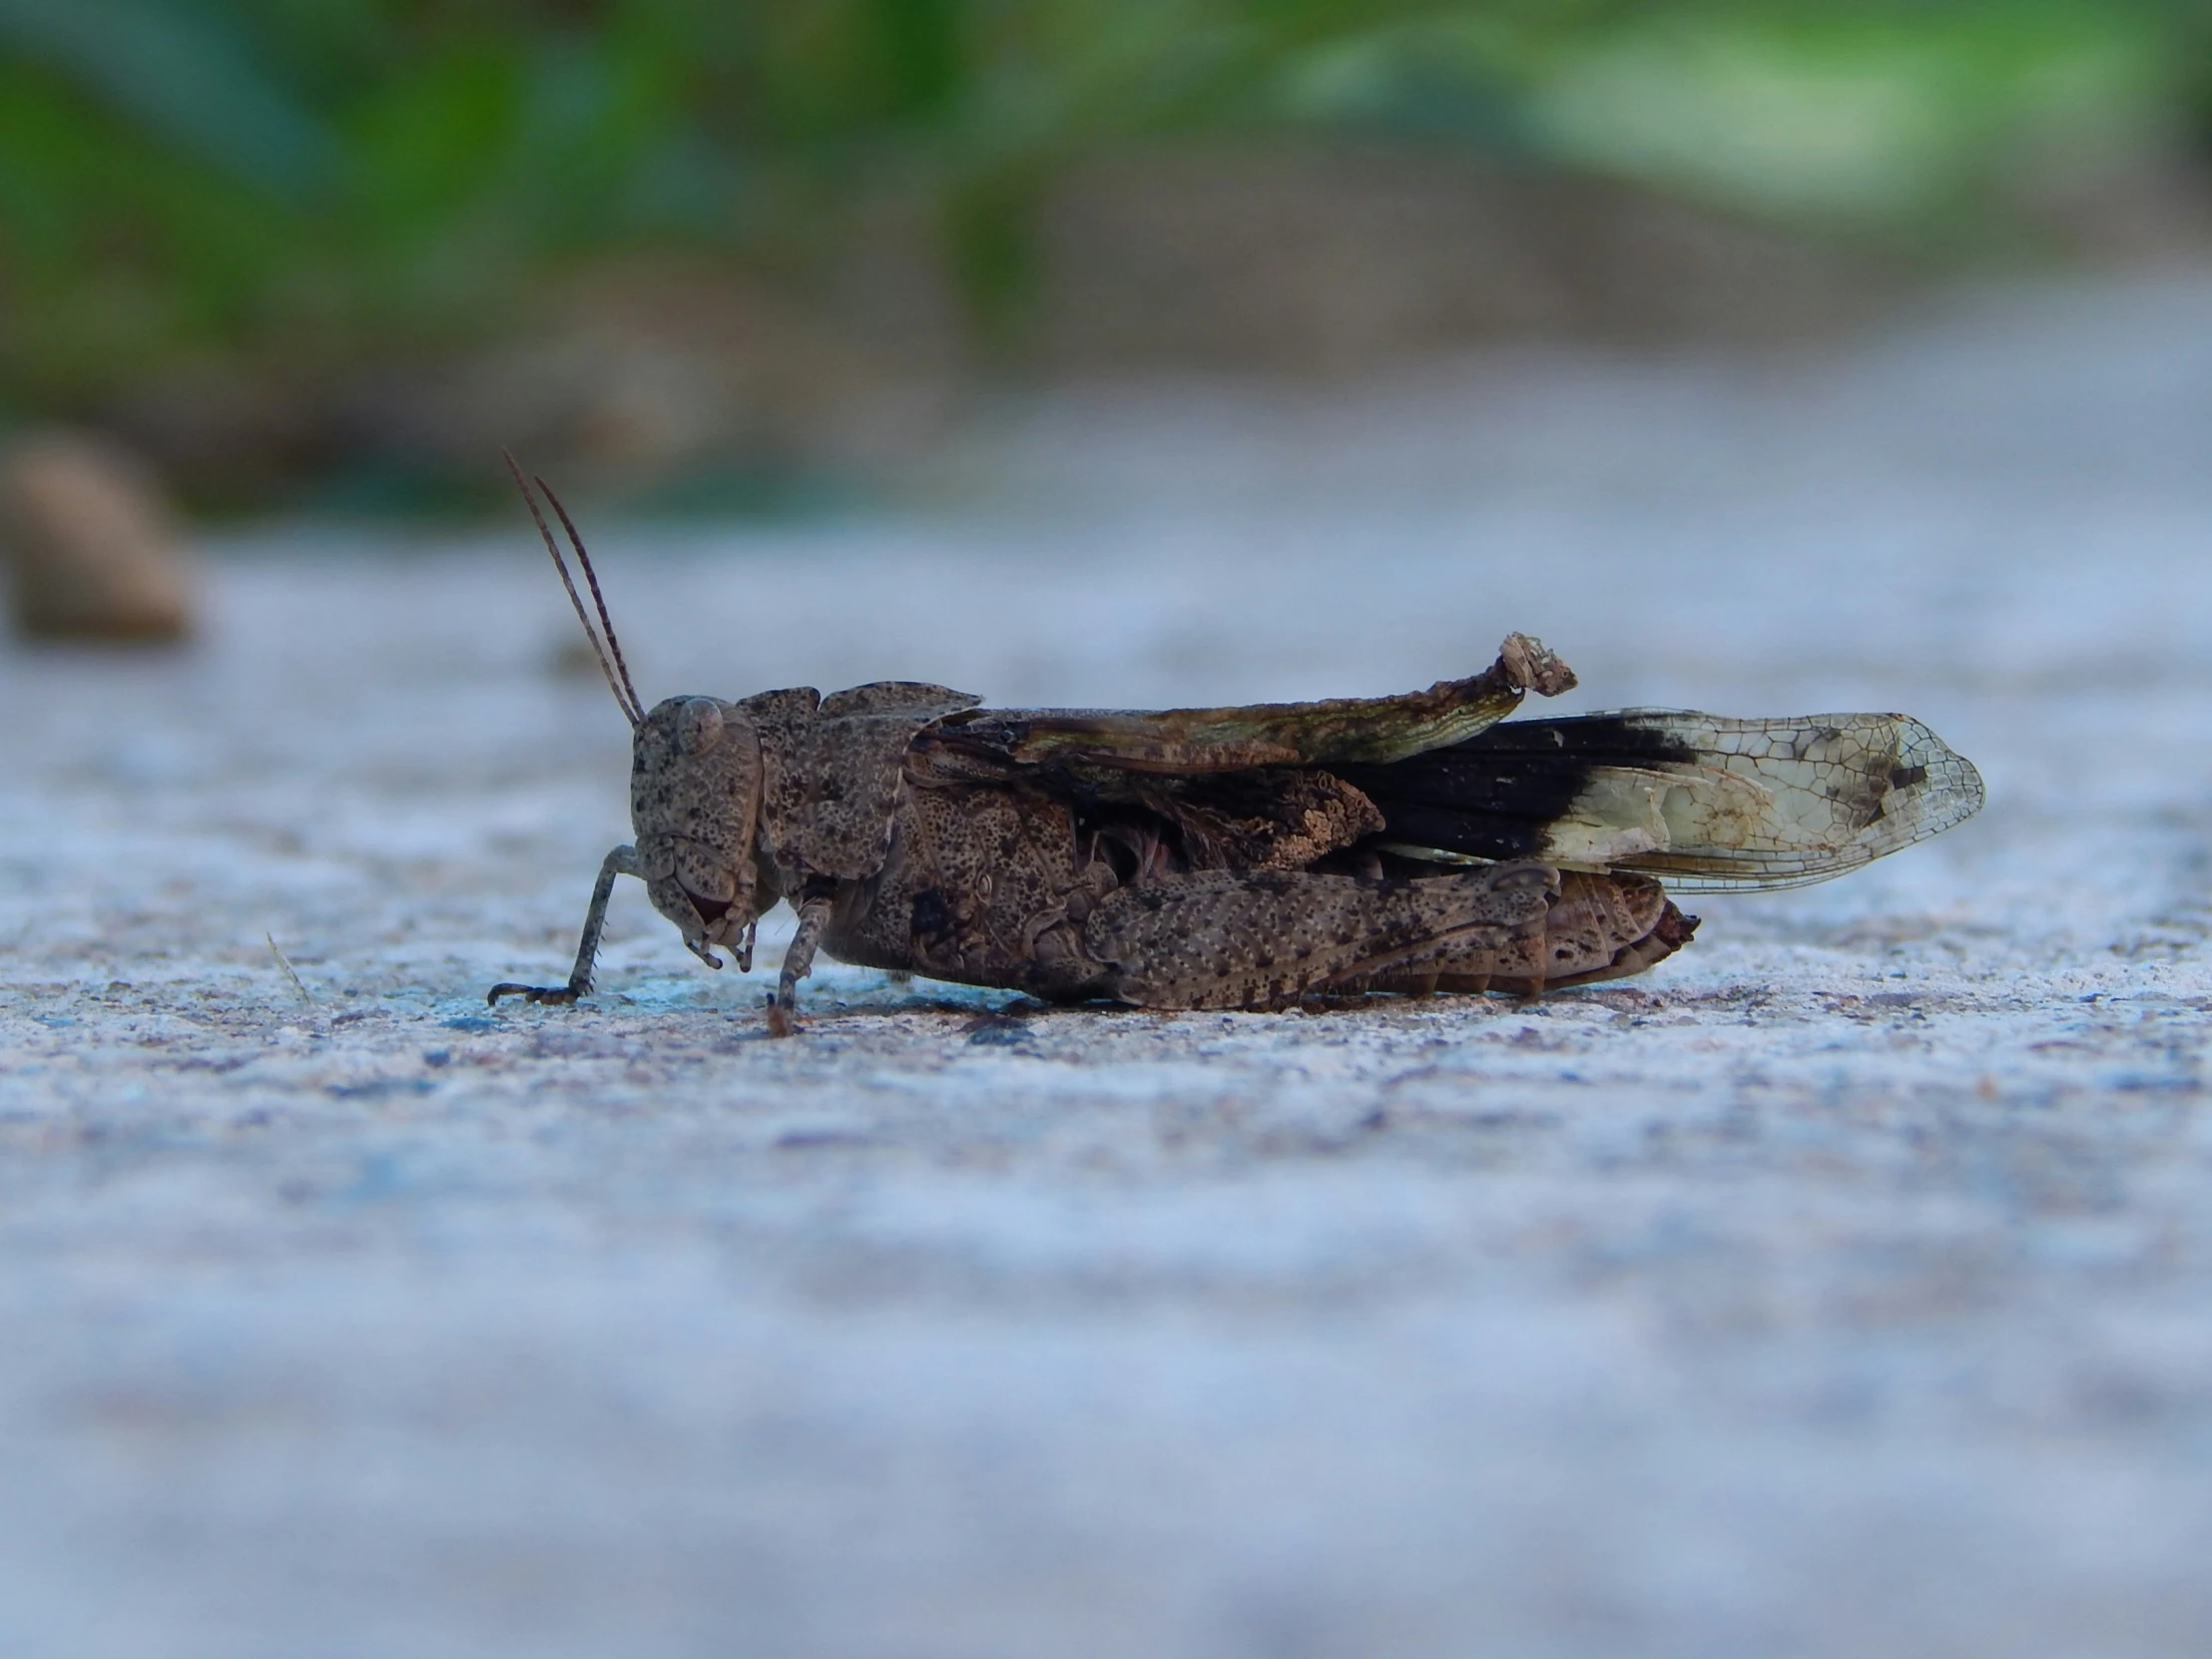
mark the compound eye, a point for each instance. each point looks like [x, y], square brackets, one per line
[698, 727]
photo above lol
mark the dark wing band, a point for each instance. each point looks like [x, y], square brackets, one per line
[1707, 803]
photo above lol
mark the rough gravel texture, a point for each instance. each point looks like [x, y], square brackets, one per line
[1840, 1288]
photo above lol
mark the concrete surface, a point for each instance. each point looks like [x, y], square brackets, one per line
[1840, 1288]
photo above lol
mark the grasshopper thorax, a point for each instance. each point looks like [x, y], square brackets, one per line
[694, 802]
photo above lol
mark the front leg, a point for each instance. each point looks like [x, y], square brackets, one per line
[623, 861]
[798, 961]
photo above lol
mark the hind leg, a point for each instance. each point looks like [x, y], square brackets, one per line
[1253, 939]
[1602, 928]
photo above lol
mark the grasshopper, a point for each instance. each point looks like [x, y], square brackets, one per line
[1237, 857]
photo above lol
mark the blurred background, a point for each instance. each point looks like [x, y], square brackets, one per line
[747, 255]
[1839, 1289]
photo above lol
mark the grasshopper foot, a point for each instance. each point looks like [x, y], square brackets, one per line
[552, 995]
[780, 1021]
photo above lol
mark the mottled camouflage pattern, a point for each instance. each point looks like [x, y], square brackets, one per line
[1188, 858]
[833, 772]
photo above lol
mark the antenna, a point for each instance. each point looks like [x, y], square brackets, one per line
[591, 576]
[607, 651]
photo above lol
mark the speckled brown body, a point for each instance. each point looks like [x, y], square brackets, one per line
[1190, 858]
[1245, 858]
[1231, 857]
[993, 885]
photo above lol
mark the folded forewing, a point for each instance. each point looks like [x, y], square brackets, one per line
[1371, 729]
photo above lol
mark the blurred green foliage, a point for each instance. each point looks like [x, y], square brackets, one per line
[312, 180]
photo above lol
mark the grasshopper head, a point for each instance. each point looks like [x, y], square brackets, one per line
[695, 781]
[695, 799]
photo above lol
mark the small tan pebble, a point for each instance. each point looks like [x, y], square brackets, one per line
[92, 549]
